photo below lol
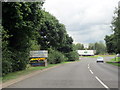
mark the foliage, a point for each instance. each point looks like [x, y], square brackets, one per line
[110, 43]
[98, 46]
[28, 27]
[53, 34]
[116, 29]
[72, 56]
[6, 54]
[21, 21]
[113, 41]
[78, 46]
[35, 45]
[55, 57]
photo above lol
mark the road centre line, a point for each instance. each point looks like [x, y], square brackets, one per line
[98, 78]
[91, 71]
[101, 82]
[88, 66]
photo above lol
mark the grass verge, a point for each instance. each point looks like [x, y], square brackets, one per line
[116, 64]
[114, 61]
[100, 56]
[29, 70]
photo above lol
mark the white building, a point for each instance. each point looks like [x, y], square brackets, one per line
[86, 52]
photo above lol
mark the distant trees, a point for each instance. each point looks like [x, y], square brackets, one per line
[98, 46]
[113, 41]
[78, 46]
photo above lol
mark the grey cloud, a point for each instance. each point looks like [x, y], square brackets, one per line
[85, 20]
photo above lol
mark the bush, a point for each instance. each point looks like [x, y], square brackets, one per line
[6, 62]
[72, 56]
[55, 57]
[5, 53]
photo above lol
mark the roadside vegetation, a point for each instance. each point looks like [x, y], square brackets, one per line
[113, 40]
[115, 61]
[26, 26]
[95, 56]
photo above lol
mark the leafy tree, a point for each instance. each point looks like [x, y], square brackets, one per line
[53, 34]
[6, 53]
[91, 46]
[113, 41]
[78, 46]
[28, 27]
[55, 57]
[72, 56]
[21, 21]
[116, 29]
[98, 46]
[110, 43]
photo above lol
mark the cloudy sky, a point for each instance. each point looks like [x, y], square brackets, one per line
[86, 21]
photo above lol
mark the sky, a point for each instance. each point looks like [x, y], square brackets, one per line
[86, 21]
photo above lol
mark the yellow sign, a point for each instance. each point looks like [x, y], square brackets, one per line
[37, 58]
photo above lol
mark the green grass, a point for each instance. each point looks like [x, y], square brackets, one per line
[29, 70]
[114, 61]
[100, 56]
[17, 74]
[116, 64]
[117, 59]
[91, 56]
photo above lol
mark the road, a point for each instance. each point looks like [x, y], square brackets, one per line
[84, 74]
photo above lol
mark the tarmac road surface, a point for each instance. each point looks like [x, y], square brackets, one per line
[84, 74]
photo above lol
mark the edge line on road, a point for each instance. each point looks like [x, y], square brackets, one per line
[101, 82]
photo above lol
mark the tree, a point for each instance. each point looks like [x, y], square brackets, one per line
[53, 34]
[6, 53]
[78, 46]
[98, 46]
[111, 43]
[21, 21]
[91, 46]
[116, 29]
[29, 27]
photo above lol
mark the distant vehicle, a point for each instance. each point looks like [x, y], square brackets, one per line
[118, 55]
[100, 59]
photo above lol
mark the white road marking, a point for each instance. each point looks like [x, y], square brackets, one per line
[98, 78]
[101, 82]
[91, 71]
[88, 66]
